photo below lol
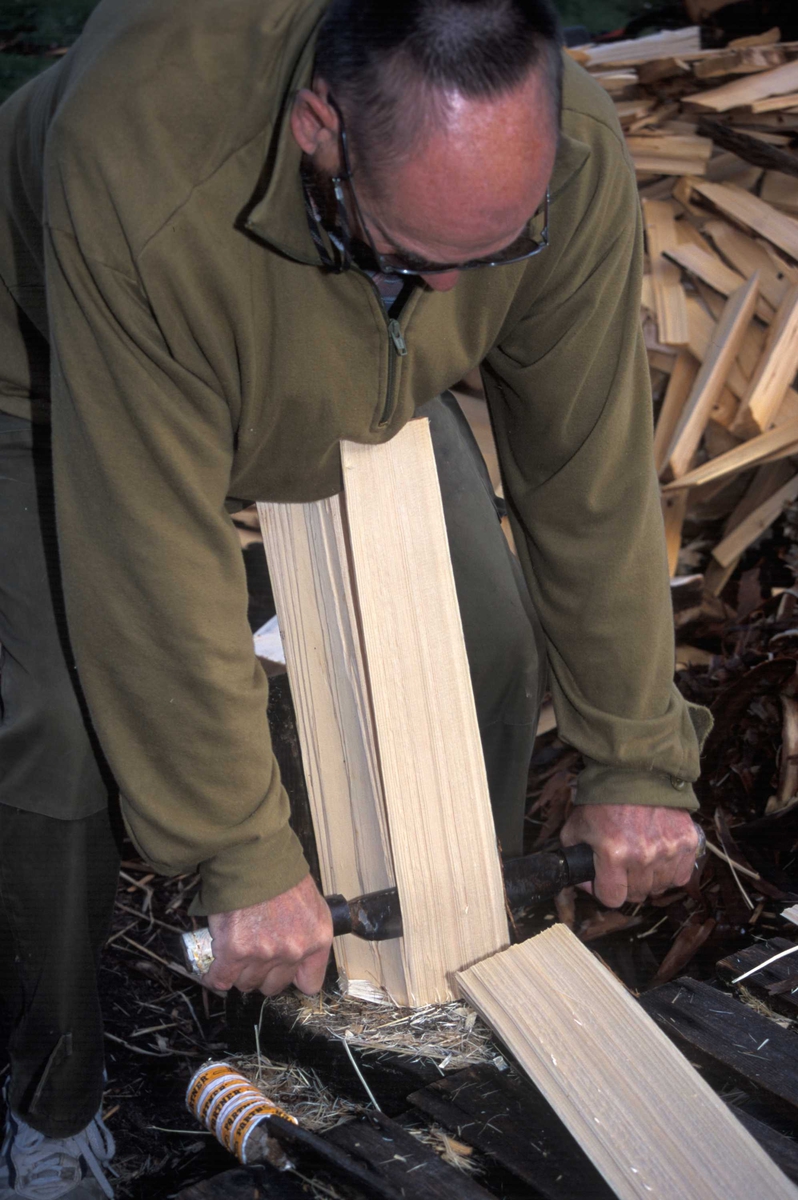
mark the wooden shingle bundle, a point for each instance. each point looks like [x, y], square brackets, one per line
[711, 134]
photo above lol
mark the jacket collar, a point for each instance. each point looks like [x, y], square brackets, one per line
[280, 216]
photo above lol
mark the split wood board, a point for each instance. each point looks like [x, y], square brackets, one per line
[669, 297]
[674, 43]
[747, 256]
[732, 546]
[367, 606]
[702, 332]
[766, 481]
[663, 164]
[679, 388]
[781, 189]
[672, 145]
[436, 794]
[697, 257]
[706, 266]
[781, 442]
[726, 341]
[308, 563]
[648, 1121]
[779, 81]
[776, 369]
[752, 212]
[674, 510]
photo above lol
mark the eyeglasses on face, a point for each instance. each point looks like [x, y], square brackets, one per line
[394, 263]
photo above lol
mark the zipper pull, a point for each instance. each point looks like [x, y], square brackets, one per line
[399, 343]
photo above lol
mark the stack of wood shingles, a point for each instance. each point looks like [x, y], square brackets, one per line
[711, 134]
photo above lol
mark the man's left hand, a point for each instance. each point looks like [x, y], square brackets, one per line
[639, 851]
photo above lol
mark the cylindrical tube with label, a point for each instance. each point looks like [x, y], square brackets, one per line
[236, 1113]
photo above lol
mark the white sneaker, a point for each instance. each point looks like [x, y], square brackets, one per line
[35, 1167]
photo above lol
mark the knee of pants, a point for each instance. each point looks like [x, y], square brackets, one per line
[510, 677]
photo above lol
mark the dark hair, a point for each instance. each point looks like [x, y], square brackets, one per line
[380, 57]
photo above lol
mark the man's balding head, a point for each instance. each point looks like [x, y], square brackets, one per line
[394, 68]
[452, 113]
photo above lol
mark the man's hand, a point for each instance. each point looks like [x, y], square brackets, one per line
[639, 851]
[271, 945]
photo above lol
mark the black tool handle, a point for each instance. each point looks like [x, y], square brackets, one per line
[541, 876]
[377, 916]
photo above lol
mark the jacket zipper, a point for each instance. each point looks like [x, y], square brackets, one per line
[398, 350]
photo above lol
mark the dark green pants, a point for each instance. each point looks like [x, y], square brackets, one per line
[58, 857]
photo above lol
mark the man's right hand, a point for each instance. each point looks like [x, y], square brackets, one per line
[268, 946]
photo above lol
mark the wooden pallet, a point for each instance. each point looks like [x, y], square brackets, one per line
[525, 1150]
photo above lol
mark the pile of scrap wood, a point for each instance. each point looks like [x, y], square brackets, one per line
[711, 135]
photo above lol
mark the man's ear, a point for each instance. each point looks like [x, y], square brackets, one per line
[314, 122]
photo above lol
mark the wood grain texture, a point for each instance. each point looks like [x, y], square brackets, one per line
[644, 1116]
[726, 342]
[775, 372]
[436, 796]
[308, 562]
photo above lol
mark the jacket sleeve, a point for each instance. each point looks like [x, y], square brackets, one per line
[155, 590]
[569, 392]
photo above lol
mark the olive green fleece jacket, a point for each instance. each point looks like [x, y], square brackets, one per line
[153, 241]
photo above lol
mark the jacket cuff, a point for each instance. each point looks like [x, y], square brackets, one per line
[615, 785]
[249, 873]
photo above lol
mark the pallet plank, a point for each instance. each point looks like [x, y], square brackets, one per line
[247, 1183]
[777, 973]
[721, 1033]
[510, 1121]
[402, 1161]
[783, 1150]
